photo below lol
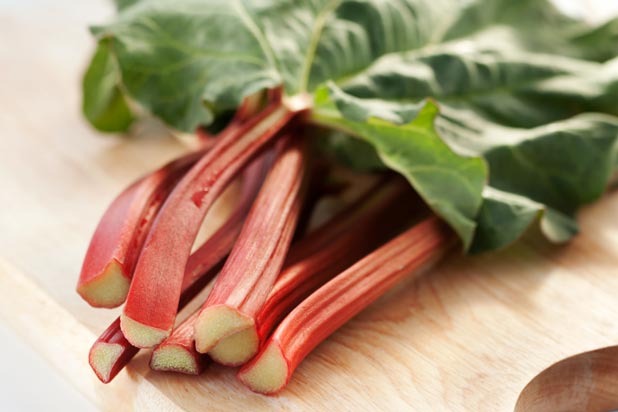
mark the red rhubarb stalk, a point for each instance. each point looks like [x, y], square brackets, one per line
[342, 298]
[257, 257]
[115, 246]
[112, 351]
[116, 243]
[153, 297]
[344, 239]
[177, 352]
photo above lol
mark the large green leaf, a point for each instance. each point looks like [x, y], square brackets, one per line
[176, 55]
[491, 93]
[184, 59]
[437, 90]
[490, 74]
[548, 171]
[332, 39]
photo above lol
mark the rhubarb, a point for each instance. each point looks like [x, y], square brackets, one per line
[342, 298]
[491, 141]
[257, 257]
[177, 352]
[115, 246]
[117, 241]
[344, 239]
[154, 293]
[112, 351]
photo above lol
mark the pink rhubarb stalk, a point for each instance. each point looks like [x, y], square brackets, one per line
[177, 352]
[342, 298]
[116, 243]
[257, 257]
[112, 351]
[312, 261]
[153, 297]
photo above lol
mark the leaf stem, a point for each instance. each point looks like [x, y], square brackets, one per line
[259, 36]
[318, 27]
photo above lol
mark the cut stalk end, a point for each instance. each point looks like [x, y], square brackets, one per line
[268, 373]
[174, 358]
[236, 349]
[140, 335]
[217, 322]
[102, 358]
[108, 290]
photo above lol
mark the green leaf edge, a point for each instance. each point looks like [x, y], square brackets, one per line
[106, 108]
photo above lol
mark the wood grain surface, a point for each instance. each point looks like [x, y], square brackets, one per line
[468, 336]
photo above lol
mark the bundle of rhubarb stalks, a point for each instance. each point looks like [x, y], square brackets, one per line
[275, 287]
[473, 119]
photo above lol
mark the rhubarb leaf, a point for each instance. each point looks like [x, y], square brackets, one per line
[184, 61]
[504, 217]
[356, 154]
[563, 164]
[406, 141]
[187, 60]
[123, 4]
[487, 75]
[332, 39]
[103, 103]
[598, 43]
[548, 171]
[553, 169]
[437, 90]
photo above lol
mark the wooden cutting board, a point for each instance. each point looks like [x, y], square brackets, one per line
[468, 336]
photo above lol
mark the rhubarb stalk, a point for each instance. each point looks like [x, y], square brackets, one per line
[153, 297]
[340, 299]
[115, 246]
[177, 352]
[257, 257]
[312, 261]
[112, 351]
